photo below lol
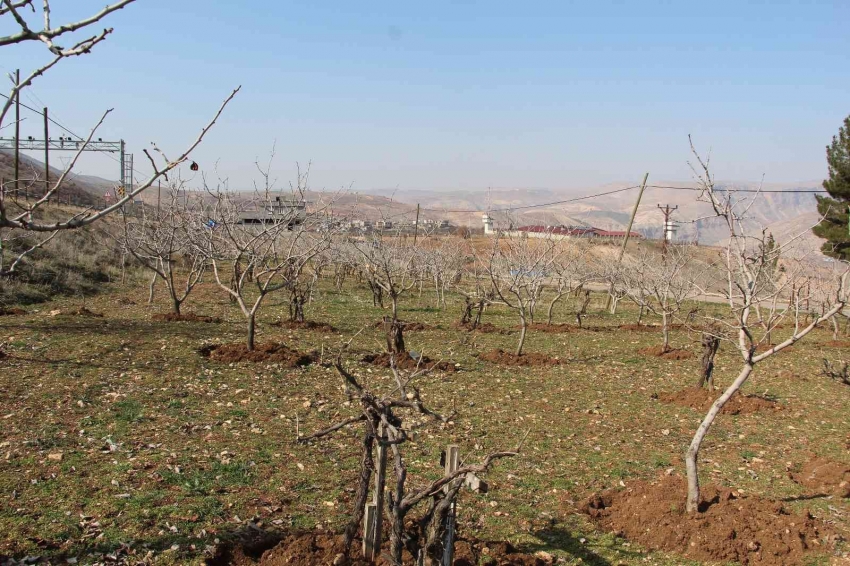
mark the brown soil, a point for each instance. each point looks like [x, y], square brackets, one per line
[14, 311]
[702, 399]
[671, 354]
[188, 317]
[838, 344]
[306, 325]
[729, 526]
[407, 326]
[527, 359]
[126, 301]
[483, 327]
[405, 361]
[553, 328]
[825, 477]
[326, 548]
[270, 352]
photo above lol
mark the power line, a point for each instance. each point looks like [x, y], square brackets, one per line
[789, 191]
[81, 138]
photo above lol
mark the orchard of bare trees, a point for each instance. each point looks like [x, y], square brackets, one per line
[358, 384]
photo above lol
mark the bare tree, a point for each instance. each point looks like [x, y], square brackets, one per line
[662, 285]
[477, 291]
[392, 264]
[384, 417]
[160, 241]
[518, 266]
[750, 280]
[258, 245]
[25, 215]
[570, 271]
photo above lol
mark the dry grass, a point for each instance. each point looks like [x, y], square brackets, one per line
[116, 431]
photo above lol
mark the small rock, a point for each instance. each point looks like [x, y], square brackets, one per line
[339, 559]
[56, 456]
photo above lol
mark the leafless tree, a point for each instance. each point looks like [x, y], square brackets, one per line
[160, 241]
[477, 290]
[18, 216]
[570, 271]
[393, 265]
[662, 285]
[256, 245]
[386, 419]
[748, 283]
[518, 267]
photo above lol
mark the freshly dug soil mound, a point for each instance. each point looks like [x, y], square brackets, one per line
[527, 359]
[306, 325]
[83, 311]
[14, 311]
[672, 354]
[407, 326]
[270, 352]
[553, 328]
[325, 548]
[702, 399]
[188, 317]
[484, 328]
[826, 477]
[729, 527]
[406, 361]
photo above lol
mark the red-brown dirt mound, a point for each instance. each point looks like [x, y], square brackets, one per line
[553, 328]
[647, 327]
[484, 328]
[325, 548]
[188, 317]
[729, 527]
[14, 311]
[270, 352]
[838, 344]
[826, 477]
[527, 359]
[406, 361]
[672, 354]
[305, 325]
[407, 326]
[702, 399]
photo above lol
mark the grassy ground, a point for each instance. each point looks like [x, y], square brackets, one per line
[116, 432]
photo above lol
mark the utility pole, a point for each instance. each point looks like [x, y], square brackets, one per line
[17, 132]
[416, 225]
[158, 193]
[626, 236]
[46, 153]
[668, 226]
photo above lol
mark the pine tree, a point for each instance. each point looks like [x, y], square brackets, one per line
[834, 227]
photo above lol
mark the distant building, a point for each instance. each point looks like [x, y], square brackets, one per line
[567, 232]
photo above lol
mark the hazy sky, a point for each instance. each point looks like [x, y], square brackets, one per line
[462, 94]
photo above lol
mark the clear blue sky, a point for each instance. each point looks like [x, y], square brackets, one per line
[464, 94]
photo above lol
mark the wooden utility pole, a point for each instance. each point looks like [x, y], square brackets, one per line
[416, 225]
[46, 153]
[17, 133]
[626, 237]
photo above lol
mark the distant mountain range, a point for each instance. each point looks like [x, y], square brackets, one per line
[785, 214]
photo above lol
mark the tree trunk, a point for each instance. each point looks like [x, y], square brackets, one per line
[834, 322]
[175, 303]
[395, 336]
[521, 335]
[693, 450]
[466, 318]
[251, 330]
[710, 345]
[152, 287]
[366, 468]
[665, 332]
